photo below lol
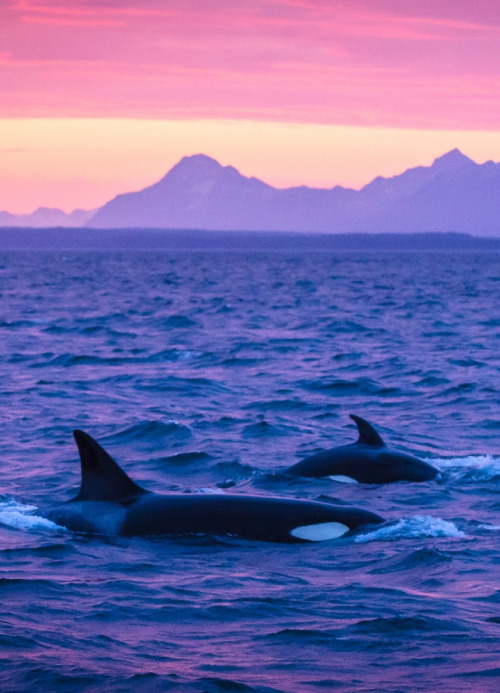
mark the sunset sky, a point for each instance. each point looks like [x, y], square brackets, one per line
[99, 97]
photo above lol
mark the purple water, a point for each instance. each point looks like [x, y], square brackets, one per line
[215, 371]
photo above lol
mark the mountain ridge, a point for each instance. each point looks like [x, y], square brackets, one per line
[453, 194]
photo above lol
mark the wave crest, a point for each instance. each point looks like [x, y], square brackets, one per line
[20, 516]
[416, 527]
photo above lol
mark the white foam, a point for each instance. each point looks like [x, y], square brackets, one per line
[20, 516]
[320, 532]
[416, 527]
[473, 467]
[342, 479]
[209, 490]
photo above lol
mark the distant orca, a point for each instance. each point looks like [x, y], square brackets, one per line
[109, 502]
[367, 461]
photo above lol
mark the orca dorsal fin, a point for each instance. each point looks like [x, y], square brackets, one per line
[367, 434]
[102, 478]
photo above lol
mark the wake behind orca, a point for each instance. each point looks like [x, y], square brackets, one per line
[109, 502]
[368, 461]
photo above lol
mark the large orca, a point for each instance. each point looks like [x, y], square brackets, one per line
[368, 461]
[109, 502]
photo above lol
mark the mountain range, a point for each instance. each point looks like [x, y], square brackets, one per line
[45, 217]
[453, 194]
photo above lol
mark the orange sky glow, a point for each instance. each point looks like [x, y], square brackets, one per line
[99, 97]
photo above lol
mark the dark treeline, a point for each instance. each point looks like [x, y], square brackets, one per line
[189, 239]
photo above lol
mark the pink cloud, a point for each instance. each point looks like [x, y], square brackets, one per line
[387, 62]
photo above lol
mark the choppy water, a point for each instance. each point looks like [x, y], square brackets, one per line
[215, 371]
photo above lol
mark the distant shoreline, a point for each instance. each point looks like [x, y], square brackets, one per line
[122, 240]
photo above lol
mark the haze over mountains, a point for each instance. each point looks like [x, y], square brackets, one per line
[453, 194]
[47, 217]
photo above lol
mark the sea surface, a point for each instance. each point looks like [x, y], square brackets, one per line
[212, 372]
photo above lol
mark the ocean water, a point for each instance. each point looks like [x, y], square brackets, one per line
[211, 372]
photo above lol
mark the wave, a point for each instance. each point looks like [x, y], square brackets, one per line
[417, 527]
[20, 516]
[156, 430]
[471, 467]
[263, 429]
[184, 458]
[70, 359]
[407, 624]
[179, 322]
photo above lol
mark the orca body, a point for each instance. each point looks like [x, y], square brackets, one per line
[368, 461]
[109, 502]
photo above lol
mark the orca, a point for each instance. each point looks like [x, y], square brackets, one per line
[367, 461]
[110, 503]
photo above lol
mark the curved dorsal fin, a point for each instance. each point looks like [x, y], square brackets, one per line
[367, 434]
[102, 478]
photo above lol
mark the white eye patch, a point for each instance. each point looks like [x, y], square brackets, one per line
[342, 479]
[320, 532]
